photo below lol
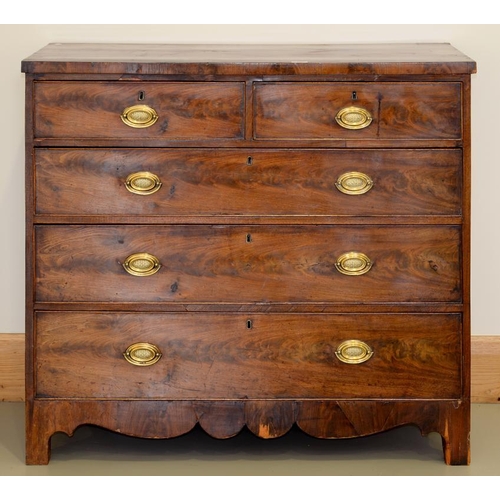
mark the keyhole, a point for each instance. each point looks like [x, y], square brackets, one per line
[142, 95]
[354, 96]
[249, 324]
[249, 238]
[249, 160]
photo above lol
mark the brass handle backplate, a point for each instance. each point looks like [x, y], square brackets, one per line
[353, 263]
[143, 183]
[353, 352]
[142, 354]
[139, 116]
[141, 264]
[354, 183]
[353, 118]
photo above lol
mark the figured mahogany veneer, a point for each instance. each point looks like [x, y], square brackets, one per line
[247, 263]
[185, 110]
[87, 182]
[255, 236]
[234, 356]
[399, 110]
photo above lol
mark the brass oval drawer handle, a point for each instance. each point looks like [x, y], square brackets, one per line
[353, 118]
[139, 116]
[143, 183]
[353, 352]
[142, 354]
[354, 183]
[353, 263]
[141, 264]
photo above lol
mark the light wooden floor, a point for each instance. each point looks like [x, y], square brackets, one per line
[96, 452]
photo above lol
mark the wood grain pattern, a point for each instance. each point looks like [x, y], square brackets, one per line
[485, 386]
[29, 181]
[248, 307]
[255, 59]
[485, 369]
[247, 183]
[12, 367]
[185, 110]
[399, 110]
[80, 355]
[267, 419]
[191, 142]
[220, 264]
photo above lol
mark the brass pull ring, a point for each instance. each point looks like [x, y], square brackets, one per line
[139, 116]
[143, 183]
[353, 352]
[354, 183]
[141, 264]
[353, 118]
[142, 354]
[353, 263]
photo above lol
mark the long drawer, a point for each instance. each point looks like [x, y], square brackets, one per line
[182, 110]
[244, 182]
[397, 110]
[209, 263]
[224, 356]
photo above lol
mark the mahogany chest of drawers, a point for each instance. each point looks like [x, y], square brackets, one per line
[255, 236]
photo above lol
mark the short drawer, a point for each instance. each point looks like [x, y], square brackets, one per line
[234, 264]
[398, 110]
[234, 356]
[197, 182]
[107, 110]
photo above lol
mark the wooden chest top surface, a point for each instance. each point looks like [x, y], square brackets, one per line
[250, 59]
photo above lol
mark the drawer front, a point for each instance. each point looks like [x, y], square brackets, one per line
[248, 263]
[253, 183]
[224, 356]
[183, 110]
[397, 110]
